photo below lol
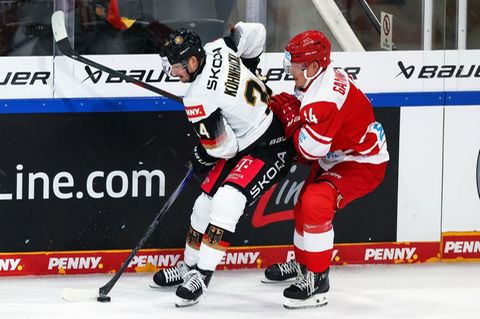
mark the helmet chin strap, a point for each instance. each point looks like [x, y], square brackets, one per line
[309, 79]
[193, 75]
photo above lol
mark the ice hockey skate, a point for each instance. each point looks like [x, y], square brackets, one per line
[309, 292]
[195, 285]
[283, 272]
[170, 277]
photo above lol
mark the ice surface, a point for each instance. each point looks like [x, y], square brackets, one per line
[437, 290]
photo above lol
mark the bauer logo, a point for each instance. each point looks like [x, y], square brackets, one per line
[279, 74]
[439, 71]
[74, 263]
[144, 75]
[24, 78]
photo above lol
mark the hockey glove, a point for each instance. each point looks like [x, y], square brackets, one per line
[232, 41]
[287, 108]
[201, 161]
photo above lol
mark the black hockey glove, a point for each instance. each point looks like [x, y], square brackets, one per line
[201, 161]
[232, 41]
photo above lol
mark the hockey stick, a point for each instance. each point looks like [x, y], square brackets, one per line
[373, 18]
[72, 294]
[61, 39]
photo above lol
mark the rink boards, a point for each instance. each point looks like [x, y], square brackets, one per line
[453, 247]
[87, 160]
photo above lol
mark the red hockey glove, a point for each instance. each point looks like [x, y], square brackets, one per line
[287, 108]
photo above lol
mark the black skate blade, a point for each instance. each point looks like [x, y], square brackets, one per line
[318, 300]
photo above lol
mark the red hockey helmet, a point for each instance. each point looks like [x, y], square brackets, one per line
[309, 46]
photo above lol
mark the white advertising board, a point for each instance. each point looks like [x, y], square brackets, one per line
[26, 77]
[420, 174]
[434, 140]
[461, 180]
[375, 72]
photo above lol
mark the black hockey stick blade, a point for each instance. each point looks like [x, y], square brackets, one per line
[61, 39]
[101, 294]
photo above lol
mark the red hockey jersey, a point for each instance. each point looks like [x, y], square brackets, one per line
[338, 123]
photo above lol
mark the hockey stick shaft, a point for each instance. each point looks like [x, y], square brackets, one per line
[105, 289]
[61, 39]
[373, 18]
[370, 15]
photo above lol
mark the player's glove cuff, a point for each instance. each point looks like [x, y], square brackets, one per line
[201, 161]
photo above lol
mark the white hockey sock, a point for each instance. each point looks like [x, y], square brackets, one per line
[190, 256]
[209, 257]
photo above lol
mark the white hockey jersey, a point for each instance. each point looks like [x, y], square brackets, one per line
[226, 103]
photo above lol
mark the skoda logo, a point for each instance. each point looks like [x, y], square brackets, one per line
[478, 173]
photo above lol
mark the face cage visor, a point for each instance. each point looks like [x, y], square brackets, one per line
[172, 70]
[288, 66]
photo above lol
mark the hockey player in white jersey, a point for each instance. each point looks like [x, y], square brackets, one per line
[241, 145]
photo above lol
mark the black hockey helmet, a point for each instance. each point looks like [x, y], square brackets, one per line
[181, 45]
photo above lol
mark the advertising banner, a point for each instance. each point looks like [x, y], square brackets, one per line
[400, 72]
[88, 160]
[461, 193]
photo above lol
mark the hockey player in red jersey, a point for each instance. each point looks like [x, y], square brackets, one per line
[333, 128]
[241, 145]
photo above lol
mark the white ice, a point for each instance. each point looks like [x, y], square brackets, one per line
[436, 290]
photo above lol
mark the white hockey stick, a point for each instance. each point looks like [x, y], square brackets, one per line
[100, 294]
[74, 294]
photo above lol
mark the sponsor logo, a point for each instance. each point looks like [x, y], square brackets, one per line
[291, 255]
[195, 111]
[144, 75]
[287, 192]
[216, 64]
[243, 163]
[464, 246]
[114, 184]
[239, 258]
[10, 264]
[269, 176]
[24, 78]
[439, 71]
[74, 263]
[277, 140]
[279, 74]
[334, 254]
[389, 253]
[156, 260]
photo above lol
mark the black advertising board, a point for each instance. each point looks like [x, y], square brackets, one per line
[77, 181]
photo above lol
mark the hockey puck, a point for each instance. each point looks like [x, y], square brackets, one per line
[104, 299]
